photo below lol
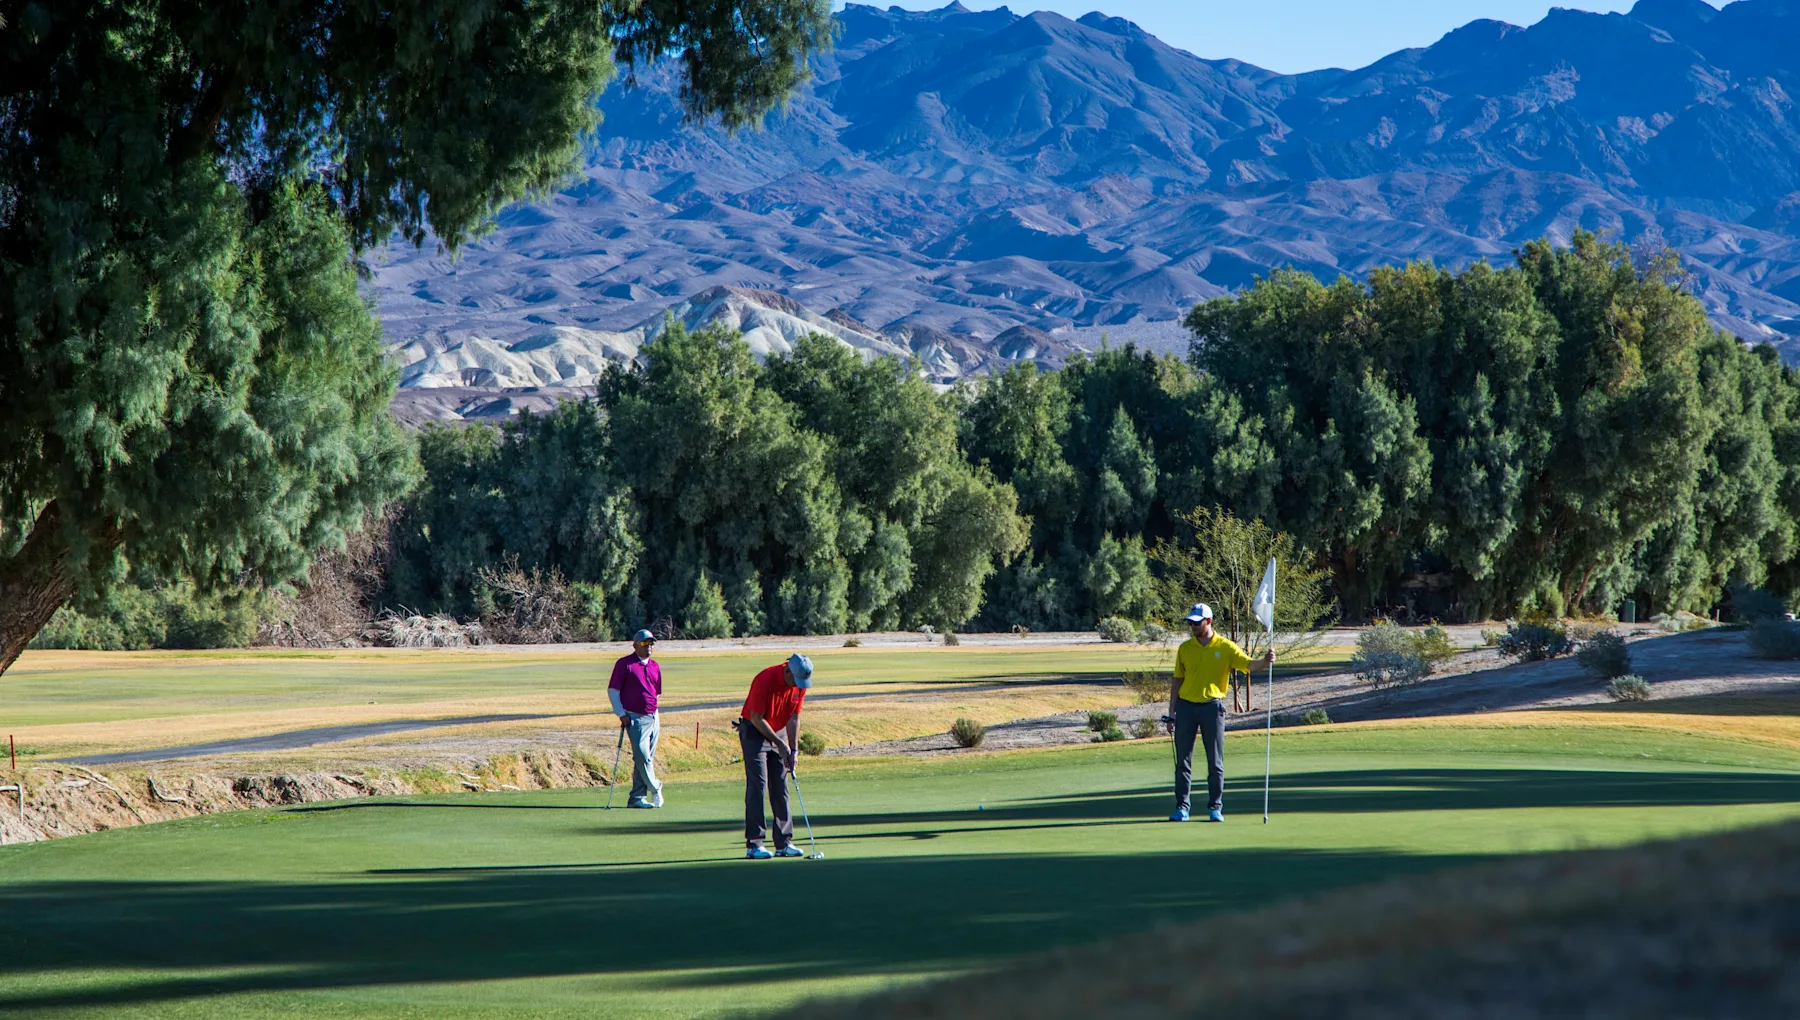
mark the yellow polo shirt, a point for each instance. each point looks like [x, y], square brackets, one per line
[1205, 669]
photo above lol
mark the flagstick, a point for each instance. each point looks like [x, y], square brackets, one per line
[1269, 730]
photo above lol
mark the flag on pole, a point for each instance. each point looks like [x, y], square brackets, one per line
[1264, 606]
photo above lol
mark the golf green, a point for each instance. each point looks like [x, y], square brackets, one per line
[543, 904]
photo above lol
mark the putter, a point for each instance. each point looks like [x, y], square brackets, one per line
[615, 783]
[815, 855]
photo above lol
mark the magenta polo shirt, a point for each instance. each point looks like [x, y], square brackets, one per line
[638, 683]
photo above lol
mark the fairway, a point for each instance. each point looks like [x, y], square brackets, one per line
[541, 903]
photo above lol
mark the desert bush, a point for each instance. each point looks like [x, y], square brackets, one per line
[1116, 629]
[411, 630]
[1532, 640]
[1628, 688]
[950, 638]
[1774, 639]
[1605, 655]
[967, 733]
[1432, 644]
[1490, 637]
[1387, 656]
[1749, 604]
[519, 607]
[1316, 717]
[853, 642]
[1110, 735]
[1148, 686]
[1152, 634]
[1143, 727]
[1099, 721]
[812, 743]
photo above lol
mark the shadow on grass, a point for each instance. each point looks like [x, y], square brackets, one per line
[851, 917]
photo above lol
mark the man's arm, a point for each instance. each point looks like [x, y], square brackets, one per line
[762, 726]
[612, 691]
[793, 735]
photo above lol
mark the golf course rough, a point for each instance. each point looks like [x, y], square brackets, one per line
[542, 904]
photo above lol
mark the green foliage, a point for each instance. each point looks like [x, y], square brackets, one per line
[1143, 728]
[1534, 639]
[1749, 604]
[1099, 721]
[1116, 629]
[1388, 655]
[1220, 559]
[129, 618]
[967, 733]
[1317, 717]
[193, 384]
[705, 615]
[1152, 634]
[812, 744]
[1628, 688]
[1433, 645]
[1774, 639]
[1110, 735]
[1605, 655]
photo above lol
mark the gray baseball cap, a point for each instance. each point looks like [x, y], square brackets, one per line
[643, 635]
[800, 668]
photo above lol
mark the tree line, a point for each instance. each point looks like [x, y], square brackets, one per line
[1551, 436]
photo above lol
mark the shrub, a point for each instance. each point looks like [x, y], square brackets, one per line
[1774, 639]
[411, 630]
[1749, 605]
[1432, 644]
[1116, 629]
[519, 607]
[1110, 735]
[1099, 721]
[853, 642]
[1153, 634]
[1387, 656]
[1144, 727]
[1491, 637]
[950, 638]
[1317, 717]
[1605, 655]
[1382, 670]
[1147, 685]
[1628, 688]
[812, 743]
[967, 733]
[1533, 640]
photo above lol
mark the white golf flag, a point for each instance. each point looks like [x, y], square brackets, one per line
[1265, 599]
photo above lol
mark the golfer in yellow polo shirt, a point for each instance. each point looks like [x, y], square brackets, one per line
[1203, 666]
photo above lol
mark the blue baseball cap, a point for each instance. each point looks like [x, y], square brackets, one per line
[800, 668]
[643, 635]
[1201, 611]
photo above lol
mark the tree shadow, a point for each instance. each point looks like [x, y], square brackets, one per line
[880, 916]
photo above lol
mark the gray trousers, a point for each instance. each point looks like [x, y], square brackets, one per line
[642, 731]
[1208, 719]
[764, 772]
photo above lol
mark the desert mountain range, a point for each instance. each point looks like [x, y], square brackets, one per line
[984, 187]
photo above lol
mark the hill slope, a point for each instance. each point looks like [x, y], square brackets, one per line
[956, 174]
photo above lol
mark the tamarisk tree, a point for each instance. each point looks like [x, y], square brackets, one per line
[190, 383]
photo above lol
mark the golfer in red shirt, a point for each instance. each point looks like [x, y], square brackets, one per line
[772, 708]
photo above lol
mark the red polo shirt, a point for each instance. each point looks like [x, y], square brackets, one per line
[772, 697]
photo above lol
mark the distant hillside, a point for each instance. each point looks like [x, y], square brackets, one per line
[953, 175]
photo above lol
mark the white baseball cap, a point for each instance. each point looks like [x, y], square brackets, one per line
[1201, 611]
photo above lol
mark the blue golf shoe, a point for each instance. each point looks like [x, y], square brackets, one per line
[1179, 815]
[757, 853]
[1215, 815]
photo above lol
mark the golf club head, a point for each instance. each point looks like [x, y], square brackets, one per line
[816, 856]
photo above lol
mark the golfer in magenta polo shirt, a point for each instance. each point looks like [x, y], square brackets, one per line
[636, 684]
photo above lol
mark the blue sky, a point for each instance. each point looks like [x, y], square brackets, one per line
[1291, 35]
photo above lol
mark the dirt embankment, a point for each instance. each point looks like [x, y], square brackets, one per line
[54, 800]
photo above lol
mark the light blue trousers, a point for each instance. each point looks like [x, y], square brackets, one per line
[642, 730]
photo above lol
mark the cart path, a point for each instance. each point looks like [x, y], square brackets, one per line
[296, 739]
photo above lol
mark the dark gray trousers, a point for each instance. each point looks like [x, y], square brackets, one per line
[1208, 718]
[764, 771]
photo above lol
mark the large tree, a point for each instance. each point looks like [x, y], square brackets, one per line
[189, 379]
